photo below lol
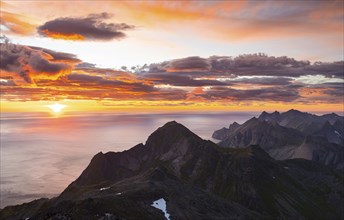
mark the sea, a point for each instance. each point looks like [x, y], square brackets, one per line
[42, 154]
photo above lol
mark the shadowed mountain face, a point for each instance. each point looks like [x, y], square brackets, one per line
[310, 124]
[198, 180]
[292, 134]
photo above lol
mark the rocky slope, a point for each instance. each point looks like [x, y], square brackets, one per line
[197, 179]
[308, 123]
[291, 134]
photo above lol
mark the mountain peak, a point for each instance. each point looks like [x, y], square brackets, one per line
[170, 136]
[264, 116]
[234, 126]
[171, 129]
[170, 123]
[295, 111]
[331, 115]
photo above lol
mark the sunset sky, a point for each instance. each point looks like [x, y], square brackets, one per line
[172, 55]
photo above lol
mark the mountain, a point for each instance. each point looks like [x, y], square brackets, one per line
[302, 121]
[266, 134]
[222, 133]
[289, 135]
[197, 180]
[332, 132]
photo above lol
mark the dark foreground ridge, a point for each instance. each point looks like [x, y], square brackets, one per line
[197, 179]
[289, 135]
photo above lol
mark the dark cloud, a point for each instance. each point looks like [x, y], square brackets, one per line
[100, 82]
[332, 70]
[285, 94]
[58, 56]
[29, 63]
[248, 65]
[85, 65]
[264, 81]
[189, 64]
[180, 80]
[91, 27]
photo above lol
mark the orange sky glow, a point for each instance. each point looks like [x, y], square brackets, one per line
[151, 56]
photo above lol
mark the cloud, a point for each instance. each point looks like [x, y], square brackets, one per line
[333, 70]
[91, 27]
[242, 79]
[15, 24]
[263, 80]
[7, 82]
[90, 81]
[248, 65]
[29, 63]
[180, 80]
[189, 64]
[332, 89]
[58, 56]
[89, 87]
[85, 65]
[284, 94]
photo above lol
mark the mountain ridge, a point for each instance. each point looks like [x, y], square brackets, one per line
[292, 134]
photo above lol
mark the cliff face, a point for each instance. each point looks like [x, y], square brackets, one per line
[197, 179]
[292, 134]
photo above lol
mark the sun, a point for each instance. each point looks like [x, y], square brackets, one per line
[56, 107]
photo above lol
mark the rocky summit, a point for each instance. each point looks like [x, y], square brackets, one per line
[289, 135]
[178, 175]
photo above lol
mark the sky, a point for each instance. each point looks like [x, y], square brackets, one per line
[172, 55]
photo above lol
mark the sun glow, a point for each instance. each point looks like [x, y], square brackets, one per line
[56, 107]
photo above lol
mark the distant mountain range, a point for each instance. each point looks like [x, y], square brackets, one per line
[292, 134]
[195, 179]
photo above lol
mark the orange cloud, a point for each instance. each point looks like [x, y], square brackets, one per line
[16, 24]
[57, 35]
[32, 63]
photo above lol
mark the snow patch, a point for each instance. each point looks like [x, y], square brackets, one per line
[117, 194]
[105, 188]
[274, 177]
[337, 133]
[161, 204]
[287, 168]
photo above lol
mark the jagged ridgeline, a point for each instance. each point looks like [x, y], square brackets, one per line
[289, 135]
[195, 179]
